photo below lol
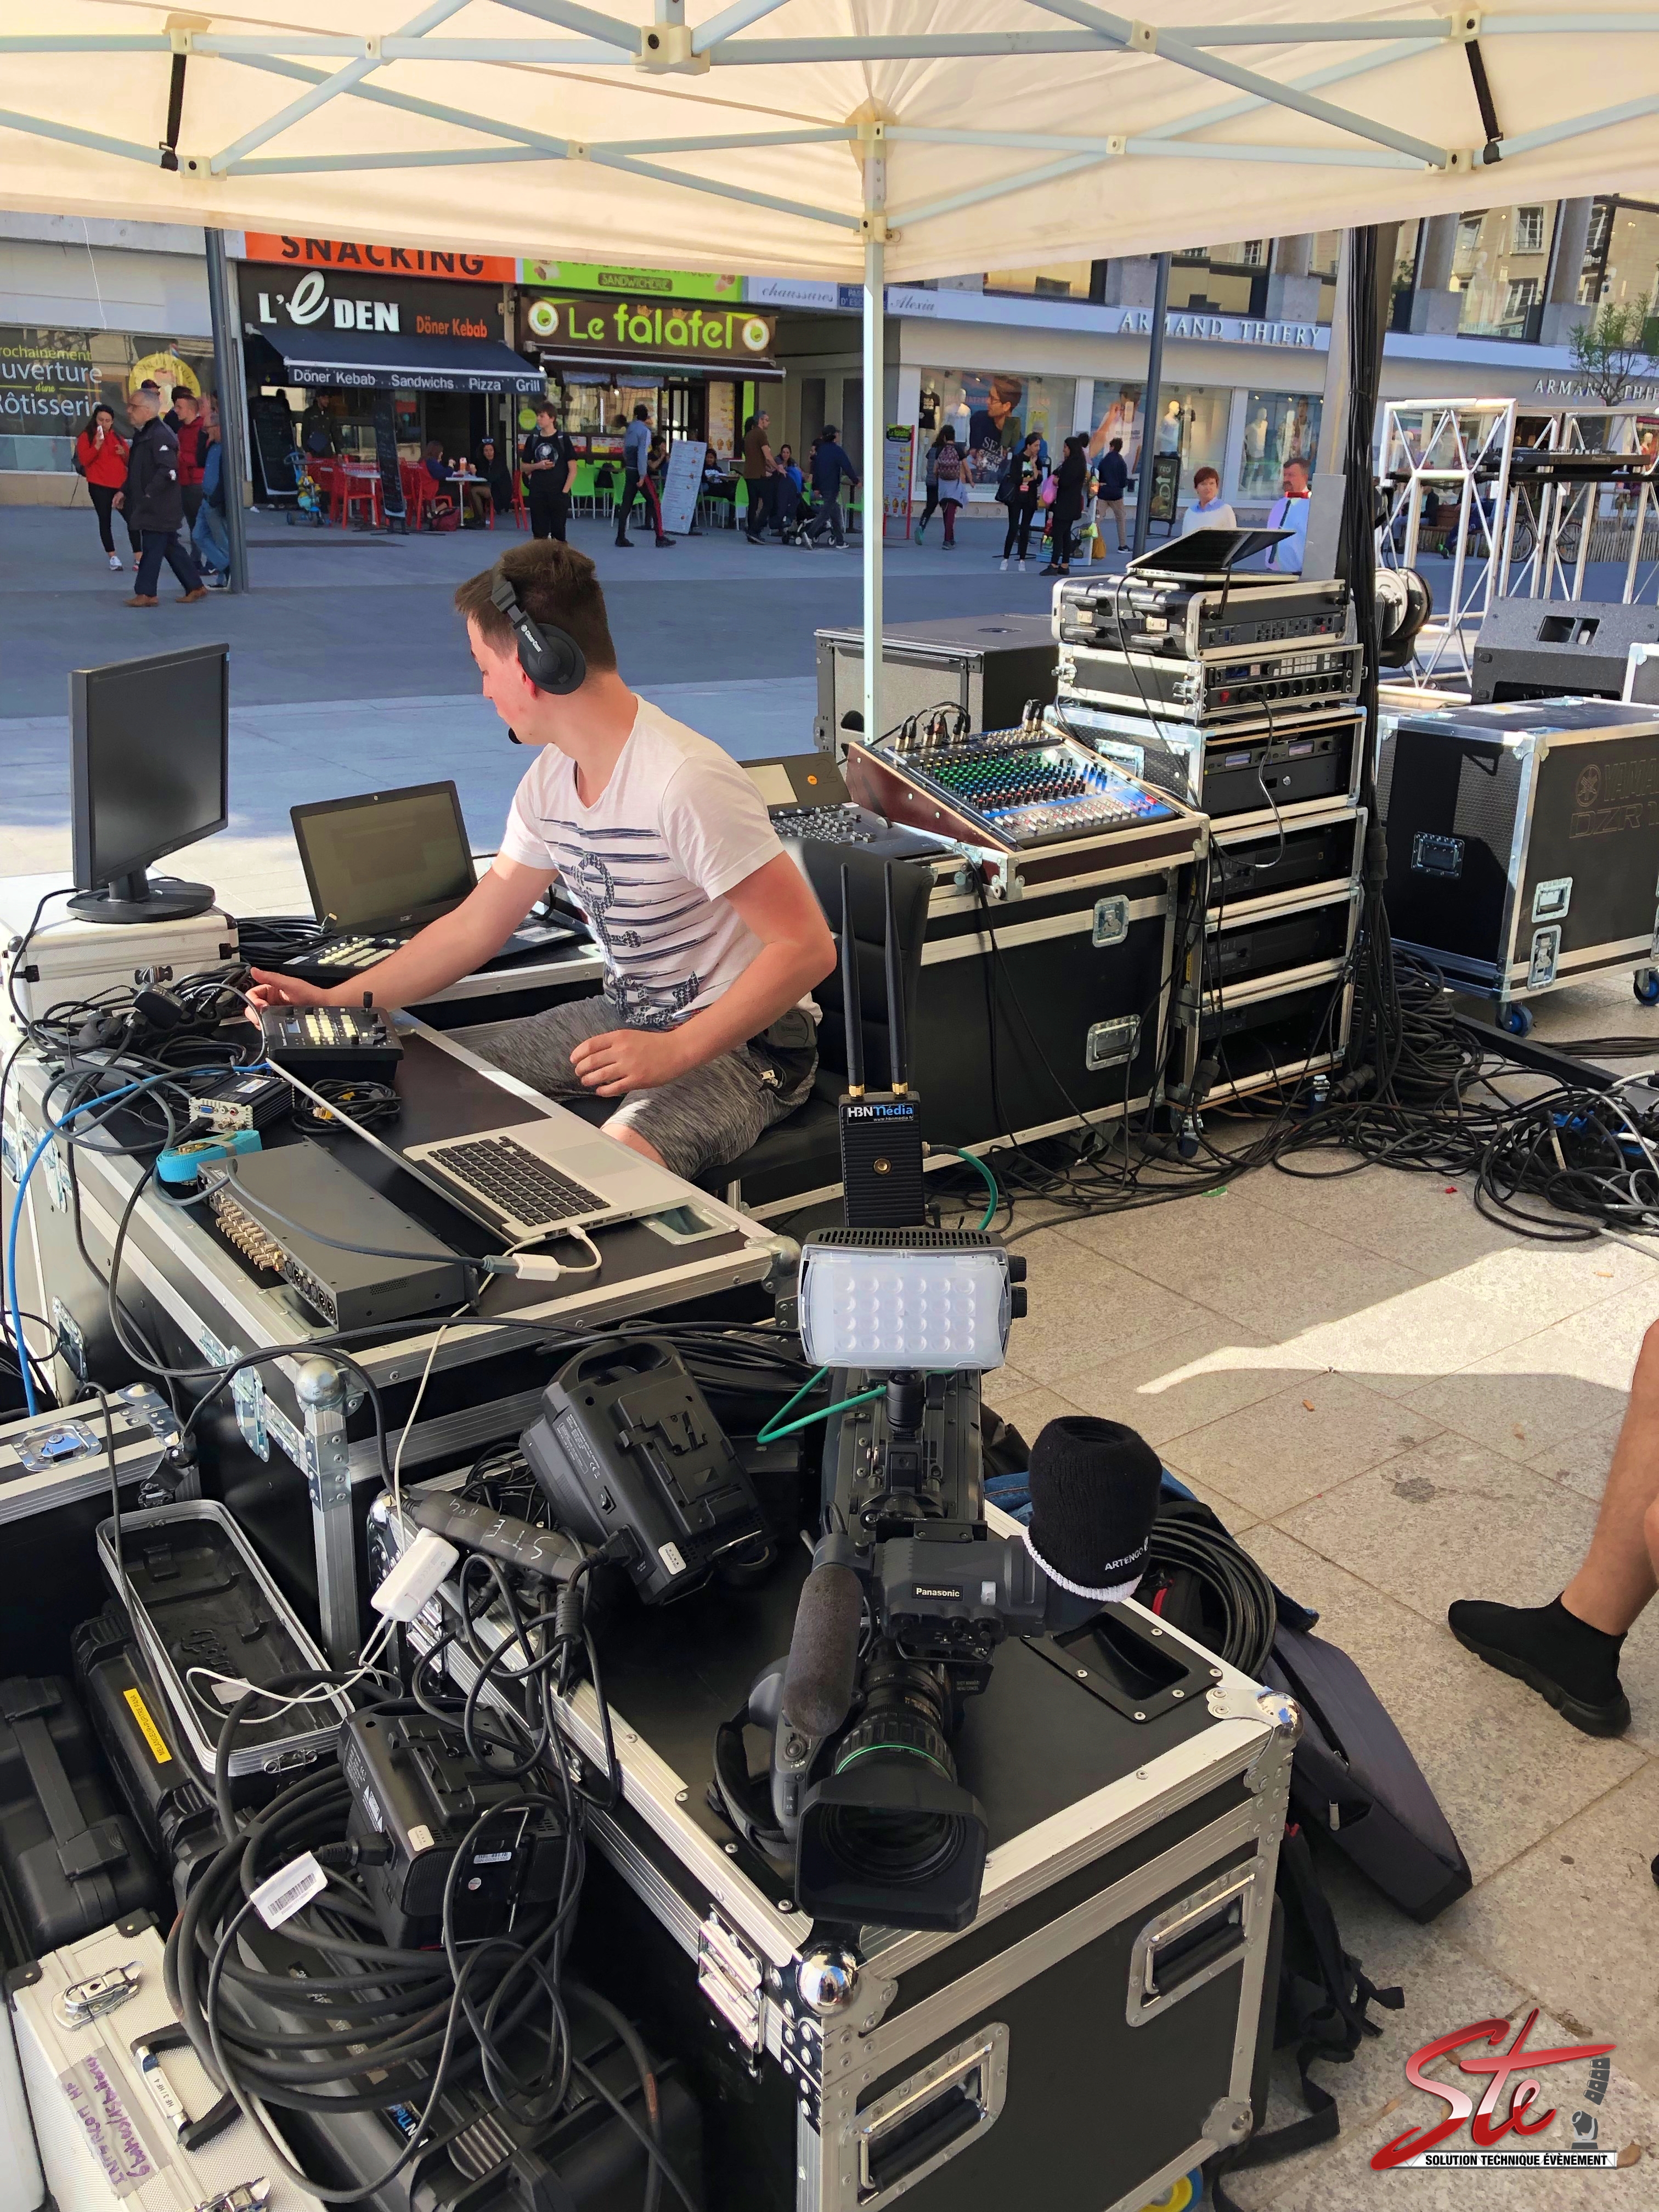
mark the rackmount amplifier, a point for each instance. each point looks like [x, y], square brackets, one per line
[1180, 619]
[1222, 686]
[1271, 761]
[1005, 789]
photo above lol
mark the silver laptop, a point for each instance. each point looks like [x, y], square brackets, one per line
[527, 1180]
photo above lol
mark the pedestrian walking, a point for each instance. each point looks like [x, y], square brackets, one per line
[154, 504]
[636, 458]
[947, 475]
[1113, 482]
[759, 469]
[184, 419]
[1022, 482]
[1070, 478]
[100, 456]
[792, 508]
[830, 464]
[930, 478]
[209, 536]
[548, 459]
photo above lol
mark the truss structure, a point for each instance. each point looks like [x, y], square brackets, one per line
[1460, 450]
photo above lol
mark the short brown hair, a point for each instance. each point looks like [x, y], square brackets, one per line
[556, 584]
[1207, 475]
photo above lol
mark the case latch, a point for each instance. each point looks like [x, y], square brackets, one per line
[1546, 957]
[731, 1977]
[99, 1993]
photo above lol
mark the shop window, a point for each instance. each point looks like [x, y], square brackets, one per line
[991, 411]
[1279, 427]
[1192, 420]
[1522, 293]
[51, 379]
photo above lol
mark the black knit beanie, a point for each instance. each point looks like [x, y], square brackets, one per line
[1094, 1496]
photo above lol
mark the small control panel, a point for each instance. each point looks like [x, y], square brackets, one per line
[314, 1041]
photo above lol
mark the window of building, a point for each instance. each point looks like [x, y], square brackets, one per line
[52, 379]
[1056, 280]
[1522, 293]
[1279, 427]
[1529, 230]
[991, 411]
[1192, 422]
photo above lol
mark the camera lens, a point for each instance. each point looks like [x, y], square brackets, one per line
[902, 1724]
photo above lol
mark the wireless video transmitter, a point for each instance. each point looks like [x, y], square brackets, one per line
[881, 1170]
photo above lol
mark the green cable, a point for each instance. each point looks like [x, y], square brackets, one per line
[777, 1426]
[975, 1161]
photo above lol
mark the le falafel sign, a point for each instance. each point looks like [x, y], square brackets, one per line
[675, 330]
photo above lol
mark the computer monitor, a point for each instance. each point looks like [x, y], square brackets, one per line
[149, 771]
[385, 859]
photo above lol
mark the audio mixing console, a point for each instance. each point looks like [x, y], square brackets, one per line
[1011, 789]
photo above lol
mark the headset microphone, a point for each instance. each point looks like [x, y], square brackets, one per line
[549, 657]
[513, 738]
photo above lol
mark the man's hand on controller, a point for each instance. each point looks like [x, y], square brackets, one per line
[630, 1059]
[282, 991]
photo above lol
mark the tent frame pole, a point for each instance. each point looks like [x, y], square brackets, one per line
[233, 400]
[1154, 401]
[875, 408]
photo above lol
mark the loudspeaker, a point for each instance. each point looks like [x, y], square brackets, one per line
[1557, 648]
[988, 664]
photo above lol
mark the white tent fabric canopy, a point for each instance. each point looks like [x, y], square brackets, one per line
[783, 136]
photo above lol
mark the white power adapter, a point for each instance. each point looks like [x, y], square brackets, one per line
[415, 1576]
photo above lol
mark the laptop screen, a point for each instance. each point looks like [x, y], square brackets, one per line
[386, 859]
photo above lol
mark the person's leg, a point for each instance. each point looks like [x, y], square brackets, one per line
[713, 1115]
[949, 508]
[152, 543]
[625, 504]
[1010, 536]
[1568, 1650]
[558, 511]
[181, 563]
[755, 521]
[192, 498]
[1116, 506]
[537, 1048]
[927, 512]
[103, 497]
[540, 504]
[209, 542]
[837, 522]
[1028, 509]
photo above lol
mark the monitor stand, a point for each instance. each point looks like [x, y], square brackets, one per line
[137, 898]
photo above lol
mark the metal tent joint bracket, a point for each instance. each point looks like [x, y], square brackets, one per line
[665, 50]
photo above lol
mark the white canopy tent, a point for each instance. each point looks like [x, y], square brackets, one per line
[834, 138]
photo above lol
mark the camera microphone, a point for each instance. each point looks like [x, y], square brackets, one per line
[1095, 1489]
[823, 1651]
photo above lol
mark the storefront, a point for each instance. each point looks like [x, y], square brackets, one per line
[363, 351]
[83, 322]
[684, 346]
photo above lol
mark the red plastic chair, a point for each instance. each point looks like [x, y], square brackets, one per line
[360, 489]
[419, 494]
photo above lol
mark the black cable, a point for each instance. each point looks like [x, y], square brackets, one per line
[1238, 1586]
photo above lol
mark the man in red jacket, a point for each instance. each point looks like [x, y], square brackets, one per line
[184, 419]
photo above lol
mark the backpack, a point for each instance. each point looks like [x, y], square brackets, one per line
[1353, 1775]
[1321, 2000]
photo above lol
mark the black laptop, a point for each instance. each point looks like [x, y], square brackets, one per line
[378, 868]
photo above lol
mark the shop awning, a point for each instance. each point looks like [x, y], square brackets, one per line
[382, 361]
[602, 369]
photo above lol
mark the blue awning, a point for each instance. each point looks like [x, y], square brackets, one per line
[384, 360]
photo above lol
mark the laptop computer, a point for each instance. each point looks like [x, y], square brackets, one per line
[523, 1181]
[379, 867]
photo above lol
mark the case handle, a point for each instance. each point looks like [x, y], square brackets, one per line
[190, 2134]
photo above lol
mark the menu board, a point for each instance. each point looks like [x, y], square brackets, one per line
[682, 485]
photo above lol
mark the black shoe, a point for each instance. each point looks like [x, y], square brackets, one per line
[1572, 1666]
[624, 541]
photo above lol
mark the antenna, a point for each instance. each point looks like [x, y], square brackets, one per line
[851, 1011]
[898, 1056]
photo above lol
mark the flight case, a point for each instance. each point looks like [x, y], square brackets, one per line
[1521, 844]
[1091, 2037]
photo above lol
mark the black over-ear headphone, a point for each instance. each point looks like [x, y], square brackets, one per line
[551, 658]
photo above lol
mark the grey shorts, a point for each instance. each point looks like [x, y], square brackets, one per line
[701, 1120]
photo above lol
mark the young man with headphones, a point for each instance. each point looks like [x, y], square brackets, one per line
[711, 938]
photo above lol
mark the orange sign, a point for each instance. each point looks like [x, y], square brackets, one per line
[394, 260]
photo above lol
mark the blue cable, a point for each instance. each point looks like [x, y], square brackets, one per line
[53, 1129]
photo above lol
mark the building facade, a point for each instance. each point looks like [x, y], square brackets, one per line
[1484, 305]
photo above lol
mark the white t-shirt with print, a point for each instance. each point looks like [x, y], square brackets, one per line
[678, 825]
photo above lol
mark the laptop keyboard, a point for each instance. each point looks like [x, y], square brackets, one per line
[508, 1176]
